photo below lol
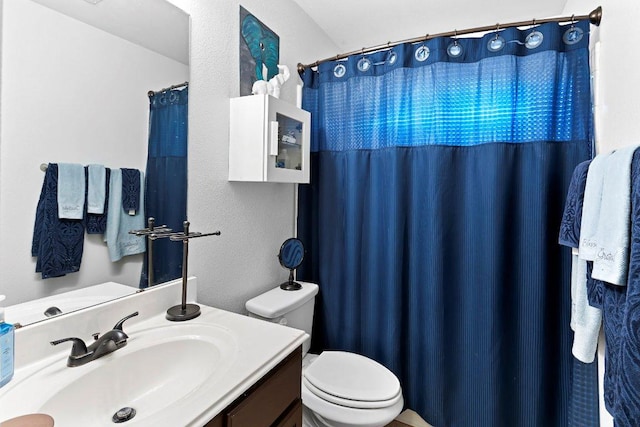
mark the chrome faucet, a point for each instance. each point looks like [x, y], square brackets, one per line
[102, 345]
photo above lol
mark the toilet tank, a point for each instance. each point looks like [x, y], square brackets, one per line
[289, 308]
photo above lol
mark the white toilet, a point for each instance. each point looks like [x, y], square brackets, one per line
[339, 389]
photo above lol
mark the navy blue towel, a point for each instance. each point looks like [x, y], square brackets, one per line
[130, 190]
[57, 243]
[621, 316]
[97, 223]
[572, 216]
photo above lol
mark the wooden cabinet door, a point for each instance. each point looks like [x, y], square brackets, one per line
[294, 416]
[264, 405]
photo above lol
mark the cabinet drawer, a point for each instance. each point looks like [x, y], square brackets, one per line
[293, 417]
[271, 398]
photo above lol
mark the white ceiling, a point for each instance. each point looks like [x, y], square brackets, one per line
[354, 24]
[158, 25]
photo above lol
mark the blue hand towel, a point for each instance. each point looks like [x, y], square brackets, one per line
[119, 222]
[131, 190]
[611, 263]
[97, 223]
[57, 243]
[71, 190]
[96, 194]
[591, 208]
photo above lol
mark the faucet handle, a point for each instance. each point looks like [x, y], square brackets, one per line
[119, 324]
[79, 347]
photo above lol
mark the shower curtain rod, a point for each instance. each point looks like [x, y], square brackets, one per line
[594, 18]
[152, 93]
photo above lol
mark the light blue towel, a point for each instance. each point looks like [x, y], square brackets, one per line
[591, 208]
[585, 319]
[119, 242]
[97, 189]
[611, 263]
[71, 191]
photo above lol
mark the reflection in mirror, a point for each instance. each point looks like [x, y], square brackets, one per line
[74, 82]
[291, 255]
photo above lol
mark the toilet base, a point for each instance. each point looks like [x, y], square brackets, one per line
[309, 419]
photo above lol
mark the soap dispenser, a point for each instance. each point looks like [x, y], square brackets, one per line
[6, 348]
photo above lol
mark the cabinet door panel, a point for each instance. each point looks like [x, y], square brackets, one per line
[294, 416]
[263, 406]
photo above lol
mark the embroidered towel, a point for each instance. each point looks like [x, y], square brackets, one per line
[97, 223]
[572, 216]
[131, 190]
[585, 319]
[57, 243]
[591, 208]
[71, 190]
[96, 192]
[119, 242]
[621, 315]
[611, 262]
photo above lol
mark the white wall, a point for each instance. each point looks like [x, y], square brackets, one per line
[69, 93]
[618, 82]
[255, 218]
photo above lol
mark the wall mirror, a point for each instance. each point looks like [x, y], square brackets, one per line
[74, 82]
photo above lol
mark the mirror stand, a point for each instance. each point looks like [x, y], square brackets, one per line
[290, 285]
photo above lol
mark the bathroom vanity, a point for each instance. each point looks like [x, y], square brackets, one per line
[273, 401]
[220, 369]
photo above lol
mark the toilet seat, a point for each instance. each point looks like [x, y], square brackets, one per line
[332, 414]
[352, 381]
[350, 403]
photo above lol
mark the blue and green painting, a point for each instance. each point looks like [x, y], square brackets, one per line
[259, 51]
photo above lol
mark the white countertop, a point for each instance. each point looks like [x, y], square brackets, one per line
[258, 346]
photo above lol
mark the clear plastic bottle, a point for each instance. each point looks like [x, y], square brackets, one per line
[7, 352]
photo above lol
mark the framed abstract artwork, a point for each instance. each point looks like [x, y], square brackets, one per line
[259, 51]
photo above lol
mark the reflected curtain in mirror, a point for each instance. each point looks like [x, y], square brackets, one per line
[166, 184]
[439, 171]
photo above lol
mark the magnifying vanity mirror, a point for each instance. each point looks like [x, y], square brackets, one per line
[74, 82]
[290, 256]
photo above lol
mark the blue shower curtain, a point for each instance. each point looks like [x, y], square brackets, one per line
[166, 179]
[439, 171]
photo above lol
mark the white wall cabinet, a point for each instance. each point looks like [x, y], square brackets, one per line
[269, 140]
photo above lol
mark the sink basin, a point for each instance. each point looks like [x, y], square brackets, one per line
[158, 370]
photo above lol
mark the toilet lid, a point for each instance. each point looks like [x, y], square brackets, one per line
[352, 380]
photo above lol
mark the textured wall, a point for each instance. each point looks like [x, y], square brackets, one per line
[255, 218]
